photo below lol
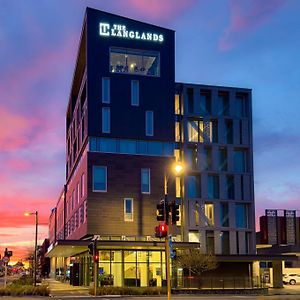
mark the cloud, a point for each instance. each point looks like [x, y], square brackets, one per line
[266, 141]
[245, 17]
[159, 10]
[14, 130]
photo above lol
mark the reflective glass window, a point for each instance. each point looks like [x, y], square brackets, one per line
[99, 178]
[105, 90]
[145, 181]
[135, 99]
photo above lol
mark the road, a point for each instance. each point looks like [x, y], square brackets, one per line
[187, 297]
[9, 279]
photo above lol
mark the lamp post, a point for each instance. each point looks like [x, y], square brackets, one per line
[35, 244]
[178, 169]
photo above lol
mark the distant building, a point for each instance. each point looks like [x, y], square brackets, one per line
[280, 234]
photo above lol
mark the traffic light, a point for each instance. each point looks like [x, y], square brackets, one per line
[96, 256]
[161, 230]
[160, 214]
[8, 253]
[175, 212]
[91, 247]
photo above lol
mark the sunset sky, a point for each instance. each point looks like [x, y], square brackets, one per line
[244, 43]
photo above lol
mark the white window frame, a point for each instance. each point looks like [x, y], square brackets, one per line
[100, 191]
[151, 131]
[127, 218]
[133, 82]
[105, 99]
[149, 180]
[108, 119]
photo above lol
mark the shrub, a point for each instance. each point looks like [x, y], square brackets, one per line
[106, 290]
[20, 290]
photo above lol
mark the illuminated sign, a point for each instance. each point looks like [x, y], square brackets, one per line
[120, 31]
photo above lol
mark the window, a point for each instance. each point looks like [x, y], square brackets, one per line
[213, 187]
[209, 214]
[177, 105]
[210, 242]
[223, 103]
[205, 102]
[214, 131]
[229, 131]
[105, 119]
[134, 61]
[195, 131]
[128, 209]
[78, 193]
[192, 158]
[82, 185]
[194, 186]
[190, 96]
[224, 214]
[229, 187]
[105, 90]
[135, 93]
[149, 123]
[239, 161]
[178, 186]
[196, 212]
[241, 216]
[241, 104]
[145, 181]
[207, 163]
[225, 242]
[127, 146]
[177, 132]
[99, 179]
[222, 159]
[107, 145]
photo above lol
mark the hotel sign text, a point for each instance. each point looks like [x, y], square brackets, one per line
[120, 31]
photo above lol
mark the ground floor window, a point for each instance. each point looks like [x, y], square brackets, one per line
[126, 268]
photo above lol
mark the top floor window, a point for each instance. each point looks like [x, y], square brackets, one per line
[134, 61]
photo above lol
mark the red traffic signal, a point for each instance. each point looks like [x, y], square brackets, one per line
[161, 230]
[96, 257]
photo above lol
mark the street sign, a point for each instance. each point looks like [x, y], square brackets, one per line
[172, 253]
[5, 259]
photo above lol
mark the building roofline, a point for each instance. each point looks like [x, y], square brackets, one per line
[127, 18]
[213, 86]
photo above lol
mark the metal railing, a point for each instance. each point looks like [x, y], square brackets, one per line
[199, 282]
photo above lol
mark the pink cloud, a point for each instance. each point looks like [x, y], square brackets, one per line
[245, 18]
[14, 130]
[159, 10]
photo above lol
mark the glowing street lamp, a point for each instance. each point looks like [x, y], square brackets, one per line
[177, 169]
[27, 214]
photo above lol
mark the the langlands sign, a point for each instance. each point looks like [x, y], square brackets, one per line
[120, 31]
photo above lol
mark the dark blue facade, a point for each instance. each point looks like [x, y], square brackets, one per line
[156, 93]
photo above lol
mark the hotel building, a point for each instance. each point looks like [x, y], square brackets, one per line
[127, 122]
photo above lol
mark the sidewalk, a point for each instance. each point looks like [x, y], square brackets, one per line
[286, 290]
[58, 288]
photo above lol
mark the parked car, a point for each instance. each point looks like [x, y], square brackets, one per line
[291, 278]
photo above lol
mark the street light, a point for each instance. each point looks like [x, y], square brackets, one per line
[35, 245]
[178, 169]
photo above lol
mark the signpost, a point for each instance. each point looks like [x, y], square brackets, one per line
[5, 261]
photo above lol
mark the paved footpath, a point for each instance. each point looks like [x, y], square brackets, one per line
[58, 288]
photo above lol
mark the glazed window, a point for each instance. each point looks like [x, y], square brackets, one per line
[134, 61]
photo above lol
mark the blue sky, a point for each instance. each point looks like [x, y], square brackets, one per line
[244, 43]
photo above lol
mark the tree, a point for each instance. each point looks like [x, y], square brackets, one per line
[195, 261]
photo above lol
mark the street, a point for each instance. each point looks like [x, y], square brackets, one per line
[186, 297]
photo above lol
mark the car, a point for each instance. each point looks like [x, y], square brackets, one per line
[291, 278]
